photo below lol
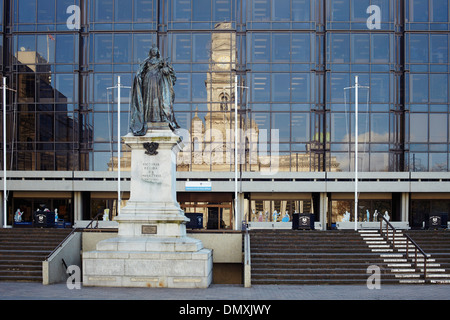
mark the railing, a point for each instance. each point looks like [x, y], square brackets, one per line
[247, 262]
[92, 221]
[417, 248]
[388, 224]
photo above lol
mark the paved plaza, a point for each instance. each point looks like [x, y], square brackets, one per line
[225, 301]
[37, 291]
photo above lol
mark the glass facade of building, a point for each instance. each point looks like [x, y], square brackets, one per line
[293, 60]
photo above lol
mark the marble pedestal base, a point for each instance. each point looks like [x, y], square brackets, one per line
[152, 249]
[168, 263]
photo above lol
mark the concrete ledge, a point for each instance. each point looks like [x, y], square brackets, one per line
[399, 225]
[278, 225]
[53, 269]
[101, 224]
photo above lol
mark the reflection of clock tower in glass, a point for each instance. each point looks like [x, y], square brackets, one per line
[223, 60]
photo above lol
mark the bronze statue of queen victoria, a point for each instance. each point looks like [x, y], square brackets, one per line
[152, 94]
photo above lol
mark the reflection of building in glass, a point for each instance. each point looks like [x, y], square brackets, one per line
[45, 128]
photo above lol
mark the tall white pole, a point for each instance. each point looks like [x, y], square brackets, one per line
[235, 155]
[5, 223]
[118, 145]
[356, 152]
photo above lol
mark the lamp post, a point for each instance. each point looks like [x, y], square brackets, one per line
[5, 216]
[356, 87]
[235, 147]
[4, 153]
[119, 86]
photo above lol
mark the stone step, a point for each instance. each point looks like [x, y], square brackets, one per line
[336, 259]
[23, 250]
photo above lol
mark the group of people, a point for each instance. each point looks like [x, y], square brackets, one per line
[265, 217]
[346, 217]
[18, 216]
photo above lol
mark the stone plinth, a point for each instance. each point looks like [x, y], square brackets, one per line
[152, 249]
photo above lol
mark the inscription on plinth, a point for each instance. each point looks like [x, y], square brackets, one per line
[151, 172]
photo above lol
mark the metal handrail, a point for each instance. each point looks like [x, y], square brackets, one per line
[92, 221]
[417, 248]
[388, 224]
[408, 239]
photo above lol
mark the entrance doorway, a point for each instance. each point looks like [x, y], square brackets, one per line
[423, 209]
[343, 205]
[28, 203]
[214, 209]
[275, 207]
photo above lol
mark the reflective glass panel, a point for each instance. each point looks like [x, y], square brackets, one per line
[439, 11]
[379, 127]
[418, 87]
[26, 11]
[418, 10]
[260, 87]
[339, 10]
[439, 48]
[438, 88]
[104, 10]
[438, 162]
[300, 127]
[281, 87]
[45, 11]
[181, 10]
[360, 48]
[201, 10]
[438, 123]
[419, 123]
[418, 50]
[380, 46]
[340, 50]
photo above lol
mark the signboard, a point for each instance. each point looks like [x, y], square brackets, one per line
[197, 186]
[149, 229]
[435, 222]
[304, 221]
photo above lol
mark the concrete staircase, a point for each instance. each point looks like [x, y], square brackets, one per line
[436, 243]
[401, 264]
[334, 257]
[23, 250]
[309, 257]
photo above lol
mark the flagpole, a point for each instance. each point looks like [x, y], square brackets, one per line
[119, 87]
[118, 146]
[4, 154]
[356, 87]
[356, 152]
